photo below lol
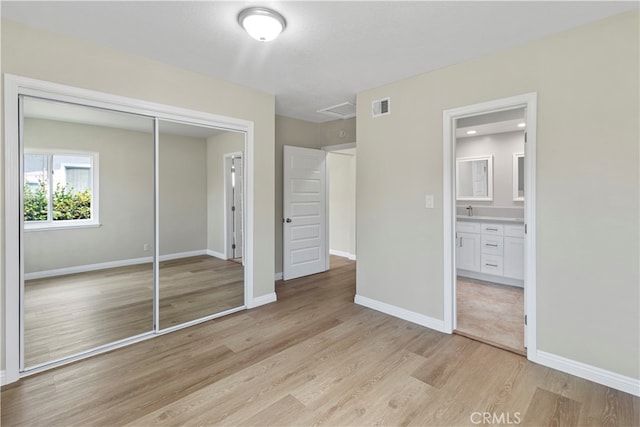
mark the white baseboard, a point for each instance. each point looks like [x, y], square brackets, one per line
[278, 276]
[588, 372]
[216, 254]
[264, 299]
[342, 254]
[114, 264]
[87, 267]
[179, 255]
[401, 313]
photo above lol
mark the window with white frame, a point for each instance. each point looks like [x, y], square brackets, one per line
[60, 189]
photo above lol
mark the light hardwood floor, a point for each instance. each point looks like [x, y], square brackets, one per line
[491, 312]
[311, 358]
[69, 314]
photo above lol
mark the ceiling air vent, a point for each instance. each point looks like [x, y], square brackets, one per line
[381, 107]
[346, 110]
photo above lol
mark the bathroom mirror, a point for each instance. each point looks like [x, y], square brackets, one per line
[474, 178]
[518, 176]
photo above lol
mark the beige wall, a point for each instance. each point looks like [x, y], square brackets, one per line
[587, 187]
[337, 132]
[301, 133]
[342, 201]
[217, 147]
[190, 168]
[182, 190]
[125, 166]
[48, 56]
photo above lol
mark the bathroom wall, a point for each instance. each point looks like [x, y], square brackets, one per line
[501, 146]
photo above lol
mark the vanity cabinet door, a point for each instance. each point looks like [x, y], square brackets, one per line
[468, 251]
[514, 257]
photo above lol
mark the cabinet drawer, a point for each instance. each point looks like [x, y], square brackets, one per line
[491, 245]
[491, 264]
[514, 230]
[495, 229]
[467, 227]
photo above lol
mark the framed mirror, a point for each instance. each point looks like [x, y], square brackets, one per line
[518, 177]
[474, 178]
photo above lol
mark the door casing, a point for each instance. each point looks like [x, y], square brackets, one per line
[529, 102]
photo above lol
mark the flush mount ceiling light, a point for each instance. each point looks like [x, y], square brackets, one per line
[261, 23]
[521, 125]
[472, 132]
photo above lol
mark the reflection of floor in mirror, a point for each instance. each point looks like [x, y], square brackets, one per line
[491, 313]
[68, 314]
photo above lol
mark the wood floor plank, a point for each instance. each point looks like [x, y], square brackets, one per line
[440, 366]
[285, 412]
[66, 315]
[311, 358]
[551, 409]
[365, 390]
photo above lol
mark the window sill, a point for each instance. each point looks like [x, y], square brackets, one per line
[62, 226]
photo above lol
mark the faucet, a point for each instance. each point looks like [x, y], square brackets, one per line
[469, 210]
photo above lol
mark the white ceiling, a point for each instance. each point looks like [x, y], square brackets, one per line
[329, 51]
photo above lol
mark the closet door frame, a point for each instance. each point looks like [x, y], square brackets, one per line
[14, 87]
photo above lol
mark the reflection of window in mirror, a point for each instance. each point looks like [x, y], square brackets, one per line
[518, 176]
[59, 189]
[474, 178]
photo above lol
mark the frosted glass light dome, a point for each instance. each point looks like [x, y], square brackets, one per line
[261, 23]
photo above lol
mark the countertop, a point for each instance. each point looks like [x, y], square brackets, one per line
[489, 218]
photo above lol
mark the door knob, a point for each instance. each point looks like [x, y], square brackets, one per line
[288, 220]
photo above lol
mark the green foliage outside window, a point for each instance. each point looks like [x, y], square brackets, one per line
[35, 202]
[67, 204]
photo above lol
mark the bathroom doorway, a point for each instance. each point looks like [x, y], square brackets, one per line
[488, 216]
[490, 228]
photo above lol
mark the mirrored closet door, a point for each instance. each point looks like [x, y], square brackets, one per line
[200, 270]
[128, 221]
[87, 229]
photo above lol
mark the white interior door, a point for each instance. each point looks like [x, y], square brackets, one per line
[305, 240]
